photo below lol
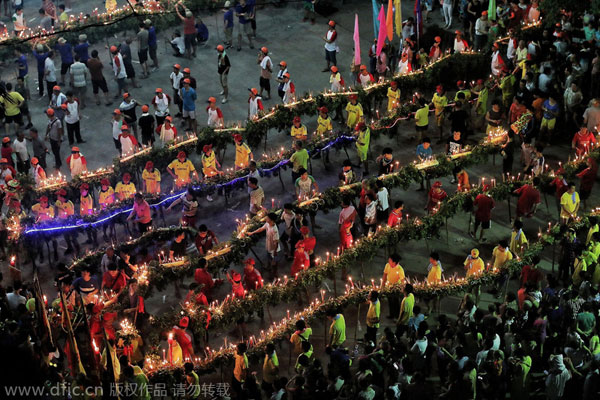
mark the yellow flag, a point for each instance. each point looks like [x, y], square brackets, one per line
[398, 7]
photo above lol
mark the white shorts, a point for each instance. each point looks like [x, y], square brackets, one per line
[189, 114]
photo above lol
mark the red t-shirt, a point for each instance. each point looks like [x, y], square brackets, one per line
[484, 204]
[252, 280]
[531, 275]
[529, 196]
[115, 283]
[203, 277]
[189, 26]
[561, 186]
[583, 142]
[394, 219]
[588, 177]
[310, 243]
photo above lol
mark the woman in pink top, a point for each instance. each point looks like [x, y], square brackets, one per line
[141, 210]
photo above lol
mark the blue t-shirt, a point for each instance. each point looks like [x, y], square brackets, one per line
[152, 37]
[189, 99]
[422, 152]
[66, 53]
[228, 18]
[549, 107]
[239, 9]
[82, 51]
[84, 287]
[202, 32]
[41, 59]
[23, 68]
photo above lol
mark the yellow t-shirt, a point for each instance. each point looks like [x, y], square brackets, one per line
[566, 201]
[394, 274]
[337, 330]
[297, 340]
[242, 154]
[355, 113]
[298, 132]
[591, 231]
[11, 108]
[152, 180]
[406, 307]
[422, 116]
[182, 170]
[439, 102]
[324, 125]
[241, 363]
[42, 214]
[209, 164]
[501, 257]
[518, 240]
[373, 314]
[86, 205]
[393, 98]
[106, 198]
[270, 368]
[125, 191]
[64, 209]
[435, 274]
[476, 266]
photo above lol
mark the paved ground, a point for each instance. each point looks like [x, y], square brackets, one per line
[300, 45]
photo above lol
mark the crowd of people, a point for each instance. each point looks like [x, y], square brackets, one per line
[538, 338]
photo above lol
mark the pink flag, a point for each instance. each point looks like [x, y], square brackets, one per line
[356, 41]
[382, 31]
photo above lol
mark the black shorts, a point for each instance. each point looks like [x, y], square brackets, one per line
[17, 119]
[99, 85]
[129, 70]
[152, 51]
[25, 109]
[330, 56]
[64, 68]
[265, 84]
[143, 55]
[422, 128]
[189, 40]
[484, 224]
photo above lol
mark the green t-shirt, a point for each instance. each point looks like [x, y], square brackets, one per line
[299, 160]
[337, 331]
[422, 116]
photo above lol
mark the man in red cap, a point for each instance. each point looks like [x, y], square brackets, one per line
[187, 73]
[54, 132]
[7, 172]
[243, 154]
[365, 78]
[176, 78]
[436, 195]
[7, 151]
[266, 69]
[125, 189]
[289, 89]
[336, 80]
[86, 209]
[460, 44]
[128, 107]
[279, 78]
[252, 278]
[331, 47]
[324, 125]
[39, 175]
[106, 197]
[183, 338]
[215, 116]
[64, 210]
[129, 145]
[482, 28]
[116, 122]
[440, 102]
[484, 203]
[255, 104]
[146, 123]
[298, 131]
[188, 95]
[354, 112]
[161, 102]
[76, 162]
[151, 179]
[167, 131]
[210, 165]
[182, 170]
[435, 52]
[118, 70]
[223, 67]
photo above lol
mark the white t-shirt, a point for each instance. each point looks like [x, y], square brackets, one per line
[50, 69]
[14, 300]
[333, 45]
[272, 237]
[176, 79]
[21, 148]
[73, 115]
[180, 43]
[382, 199]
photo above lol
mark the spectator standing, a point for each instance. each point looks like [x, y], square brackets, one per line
[189, 30]
[223, 67]
[98, 82]
[228, 24]
[142, 38]
[18, 20]
[266, 69]
[591, 116]
[125, 50]
[40, 56]
[12, 101]
[152, 43]
[119, 71]
[188, 95]
[176, 78]
[39, 147]
[127, 107]
[482, 28]
[54, 132]
[146, 123]
[80, 75]
[72, 119]
[81, 48]
[20, 149]
[66, 57]
[331, 47]
[50, 73]
[244, 13]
